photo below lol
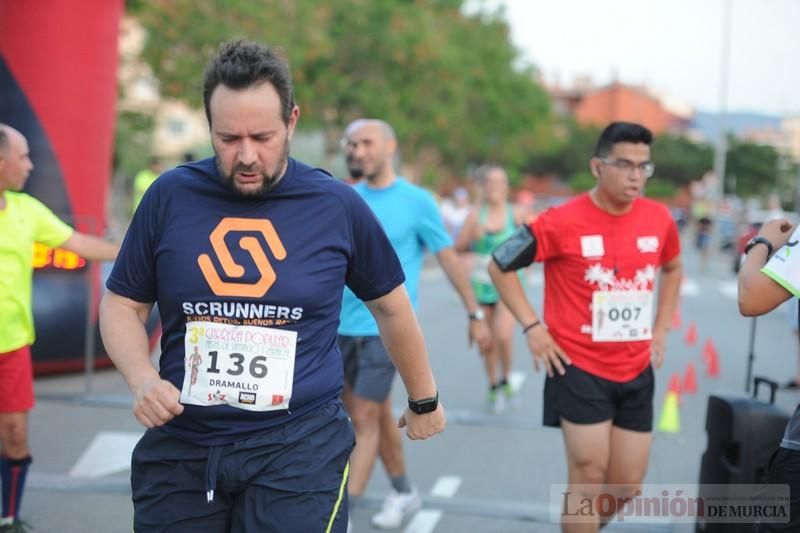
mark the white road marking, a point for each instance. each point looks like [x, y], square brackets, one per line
[423, 522]
[729, 288]
[108, 453]
[689, 288]
[446, 486]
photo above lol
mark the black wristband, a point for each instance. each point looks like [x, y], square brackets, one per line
[759, 240]
[530, 326]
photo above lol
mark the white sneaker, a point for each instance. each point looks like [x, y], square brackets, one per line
[397, 507]
[495, 402]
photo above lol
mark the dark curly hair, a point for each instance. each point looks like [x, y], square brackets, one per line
[240, 64]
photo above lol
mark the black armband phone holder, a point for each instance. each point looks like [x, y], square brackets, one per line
[518, 251]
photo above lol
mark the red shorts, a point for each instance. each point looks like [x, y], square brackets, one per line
[16, 381]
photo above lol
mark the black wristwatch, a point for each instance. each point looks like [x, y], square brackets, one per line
[758, 240]
[425, 405]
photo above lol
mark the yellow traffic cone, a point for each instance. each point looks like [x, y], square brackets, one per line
[670, 421]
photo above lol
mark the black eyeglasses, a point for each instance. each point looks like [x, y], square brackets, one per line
[623, 165]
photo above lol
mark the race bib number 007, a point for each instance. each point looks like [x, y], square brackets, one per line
[247, 367]
[621, 316]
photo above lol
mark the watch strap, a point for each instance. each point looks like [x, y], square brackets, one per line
[759, 240]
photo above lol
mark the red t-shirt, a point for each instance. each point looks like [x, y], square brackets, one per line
[586, 249]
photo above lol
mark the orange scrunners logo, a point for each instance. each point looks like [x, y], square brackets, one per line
[234, 270]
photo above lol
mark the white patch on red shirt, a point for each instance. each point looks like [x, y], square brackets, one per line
[592, 246]
[647, 245]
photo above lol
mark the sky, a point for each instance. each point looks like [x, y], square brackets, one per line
[672, 46]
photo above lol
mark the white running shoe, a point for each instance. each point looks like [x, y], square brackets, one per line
[512, 398]
[396, 508]
[495, 401]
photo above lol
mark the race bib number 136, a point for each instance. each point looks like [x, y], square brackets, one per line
[247, 367]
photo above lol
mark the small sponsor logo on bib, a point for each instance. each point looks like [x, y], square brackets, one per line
[248, 398]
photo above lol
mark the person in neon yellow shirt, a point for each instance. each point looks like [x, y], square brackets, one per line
[24, 220]
[144, 179]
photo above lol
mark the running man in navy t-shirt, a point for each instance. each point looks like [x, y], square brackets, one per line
[246, 255]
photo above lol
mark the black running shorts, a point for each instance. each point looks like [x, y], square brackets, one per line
[290, 478]
[583, 398]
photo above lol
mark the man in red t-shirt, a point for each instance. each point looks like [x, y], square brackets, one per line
[603, 326]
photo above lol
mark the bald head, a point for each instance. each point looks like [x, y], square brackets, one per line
[15, 162]
[7, 133]
[370, 146]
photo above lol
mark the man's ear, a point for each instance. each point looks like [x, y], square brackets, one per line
[293, 118]
[594, 167]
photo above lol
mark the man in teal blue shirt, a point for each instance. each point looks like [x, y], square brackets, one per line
[411, 219]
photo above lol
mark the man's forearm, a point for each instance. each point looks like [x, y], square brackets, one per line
[126, 342]
[459, 278]
[758, 293]
[751, 279]
[406, 346]
[510, 289]
[92, 248]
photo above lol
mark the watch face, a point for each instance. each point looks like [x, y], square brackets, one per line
[478, 314]
[426, 405]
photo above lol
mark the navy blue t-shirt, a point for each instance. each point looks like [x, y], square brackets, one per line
[330, 237]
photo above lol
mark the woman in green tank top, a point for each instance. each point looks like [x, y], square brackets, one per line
[489, 224]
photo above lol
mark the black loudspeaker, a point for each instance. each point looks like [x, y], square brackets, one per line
[743, 433]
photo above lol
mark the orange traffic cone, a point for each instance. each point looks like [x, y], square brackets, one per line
[674, 388]
[676, 319]
[674, 384]
[691, 334]
[712, 365]
[709, 350]
[689, 385]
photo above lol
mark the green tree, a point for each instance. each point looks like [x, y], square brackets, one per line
[132, 142]
[448, 82]
[753, 169]
[679, 161]
[569, 156]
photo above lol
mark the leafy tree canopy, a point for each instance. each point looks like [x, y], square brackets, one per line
[449, 83]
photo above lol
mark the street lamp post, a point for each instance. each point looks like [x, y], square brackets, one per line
[721, 146]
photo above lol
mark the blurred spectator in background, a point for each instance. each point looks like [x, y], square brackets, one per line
[526, 203]
[455, 209]
[702, 213]
[144, 178]
[188, 157]
[489, 224]
[680, 207]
